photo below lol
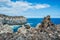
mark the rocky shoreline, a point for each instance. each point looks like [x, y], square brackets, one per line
[12, 20]
[44, 31]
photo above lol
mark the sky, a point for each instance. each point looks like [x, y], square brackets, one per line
[30, 8]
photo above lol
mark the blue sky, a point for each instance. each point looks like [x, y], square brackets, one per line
[30, 8]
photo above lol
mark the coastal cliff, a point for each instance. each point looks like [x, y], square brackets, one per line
[12, 20]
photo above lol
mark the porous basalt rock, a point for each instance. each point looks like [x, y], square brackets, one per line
[45, 23]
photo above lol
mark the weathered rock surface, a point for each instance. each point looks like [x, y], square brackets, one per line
[44, 31]
[12, 20]
[58, 27]
[6, 29]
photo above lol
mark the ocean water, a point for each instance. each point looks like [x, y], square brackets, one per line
[34, 21]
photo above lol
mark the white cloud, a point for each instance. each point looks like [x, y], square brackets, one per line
[39, 6]
[25, 5]
[18, 7]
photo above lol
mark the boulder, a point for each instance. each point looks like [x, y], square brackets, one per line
[58, 27]
[6, 29]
